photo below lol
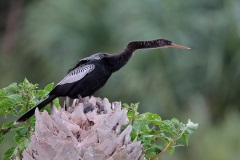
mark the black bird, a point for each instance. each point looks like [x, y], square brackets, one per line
[91, 73]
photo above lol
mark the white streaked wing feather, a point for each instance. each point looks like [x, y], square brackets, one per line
[94, 56]
[77, 74]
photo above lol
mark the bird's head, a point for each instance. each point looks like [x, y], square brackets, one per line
[163, 43]
[158, 43]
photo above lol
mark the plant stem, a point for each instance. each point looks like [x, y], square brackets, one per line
[164, 150]
[134, 111]
[133, 116]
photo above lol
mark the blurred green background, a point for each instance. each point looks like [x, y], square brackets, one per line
[41, 40]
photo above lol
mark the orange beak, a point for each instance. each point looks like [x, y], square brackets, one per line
[177, 46]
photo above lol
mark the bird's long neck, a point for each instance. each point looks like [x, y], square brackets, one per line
[118, 60]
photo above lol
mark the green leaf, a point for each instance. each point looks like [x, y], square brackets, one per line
[49, 87]
[56, 102]
[133, 135]
[9, 104]
[7, 125]
[171, 150]
[151, 154]
[7, 155]
[185, 138]
[25, 81]
[154, 118]
[140, 125]
[18, 138]
[41, 93]
[13, 99]
[11, 89]
[191, 127]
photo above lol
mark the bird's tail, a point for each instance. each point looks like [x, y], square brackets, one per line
[31, 112]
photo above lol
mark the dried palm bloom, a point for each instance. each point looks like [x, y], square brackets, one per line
[92, 129]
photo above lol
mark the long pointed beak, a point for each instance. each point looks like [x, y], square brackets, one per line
[177, 46]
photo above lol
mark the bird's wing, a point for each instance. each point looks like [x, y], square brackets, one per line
[77, 74]
[87, 59]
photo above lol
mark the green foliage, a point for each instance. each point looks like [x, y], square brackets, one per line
[15, 100]
[157, 135]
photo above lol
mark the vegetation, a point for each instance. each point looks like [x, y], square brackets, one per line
[15, 100]
[156, 135]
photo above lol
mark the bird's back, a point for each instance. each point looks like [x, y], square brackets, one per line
[92, 76]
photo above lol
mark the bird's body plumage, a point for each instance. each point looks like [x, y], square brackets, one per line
[91, 73]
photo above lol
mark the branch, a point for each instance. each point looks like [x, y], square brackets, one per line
[164, 150]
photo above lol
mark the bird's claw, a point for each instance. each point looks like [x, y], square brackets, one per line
[66, 103]
[101, 107]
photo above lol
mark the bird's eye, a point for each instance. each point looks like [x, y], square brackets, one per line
[168, 42]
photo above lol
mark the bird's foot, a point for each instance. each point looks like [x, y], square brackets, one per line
[51, 107]
[101, 107]
[66, 103]
[88, 107]
[80, 99]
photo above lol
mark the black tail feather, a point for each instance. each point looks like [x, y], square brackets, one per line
[31, 112]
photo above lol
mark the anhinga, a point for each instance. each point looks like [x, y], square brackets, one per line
[91, 73]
